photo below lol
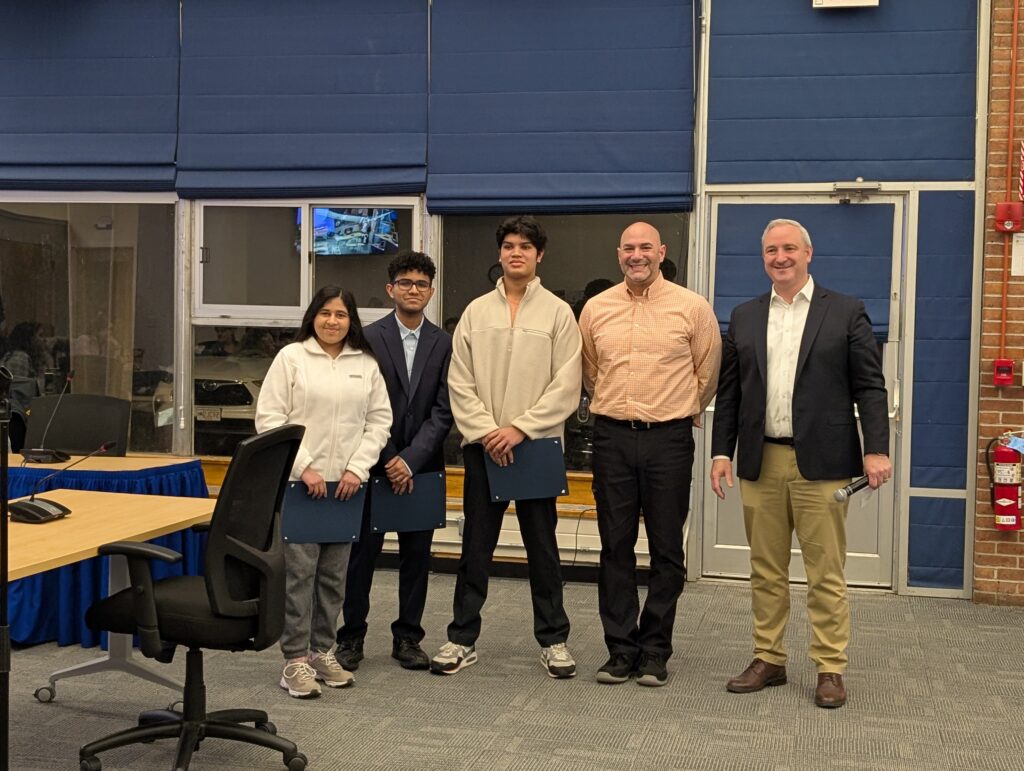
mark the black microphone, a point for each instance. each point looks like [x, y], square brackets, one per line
[856, 485]
[35, 512]
[41, 454]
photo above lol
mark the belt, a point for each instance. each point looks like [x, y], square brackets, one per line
[786, 440]
[641, 425]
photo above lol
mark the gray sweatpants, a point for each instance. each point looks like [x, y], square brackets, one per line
[314, 595]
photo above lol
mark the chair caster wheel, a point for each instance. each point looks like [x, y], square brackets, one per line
[45, 694]
[269, 727]
[90, 764]
[296, 762]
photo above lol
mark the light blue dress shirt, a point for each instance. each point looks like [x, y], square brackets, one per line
[410, 339]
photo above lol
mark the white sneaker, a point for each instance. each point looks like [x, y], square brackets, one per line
[327, 669]
[299, 679]
[452, 657]
[558, 661]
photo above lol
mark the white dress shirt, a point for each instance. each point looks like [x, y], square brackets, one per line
[786, 323]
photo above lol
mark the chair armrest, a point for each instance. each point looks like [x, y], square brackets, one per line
[140, 549]
[140, 576]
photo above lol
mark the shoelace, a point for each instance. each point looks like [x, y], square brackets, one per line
[301, 671]
[560, 653]
[450, 649]
[328, 658]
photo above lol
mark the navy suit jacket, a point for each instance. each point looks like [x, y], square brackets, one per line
[838, 365]
[420, 406]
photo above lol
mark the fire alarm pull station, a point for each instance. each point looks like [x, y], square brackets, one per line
[1003, 372]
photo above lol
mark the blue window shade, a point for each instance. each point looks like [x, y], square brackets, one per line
[942, 340]
[936, 543]
[570, 106]
[799, 94]
[852, 254]
[88, 95]
[304, 98]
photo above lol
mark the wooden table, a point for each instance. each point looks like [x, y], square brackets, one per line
[98, 518]
[38, 601]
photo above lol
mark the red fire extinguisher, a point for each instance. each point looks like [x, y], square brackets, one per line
[1004, 471]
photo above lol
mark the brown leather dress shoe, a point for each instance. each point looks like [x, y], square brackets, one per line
[830, 692]
[757, 676]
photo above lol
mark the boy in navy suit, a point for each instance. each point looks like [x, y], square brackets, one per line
[413, 355]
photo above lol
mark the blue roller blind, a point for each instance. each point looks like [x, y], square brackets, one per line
[575, 105]
[88, 94]
[802, 94]
[310, 97]
[852, 254]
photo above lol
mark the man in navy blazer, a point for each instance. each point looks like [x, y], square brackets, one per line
[413, 355]
[794, 363]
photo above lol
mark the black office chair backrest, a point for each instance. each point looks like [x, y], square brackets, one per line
[83, 423]
[245, 554]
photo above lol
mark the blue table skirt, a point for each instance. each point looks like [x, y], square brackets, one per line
[51, 606]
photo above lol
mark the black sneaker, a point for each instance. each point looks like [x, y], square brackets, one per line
[618, 669]
[651, 671]
[409, 654]
[349, 653]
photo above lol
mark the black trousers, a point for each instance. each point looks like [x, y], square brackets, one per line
[413, 572]
[537, 521]
[636, 471]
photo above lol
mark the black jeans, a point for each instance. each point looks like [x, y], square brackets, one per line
[413, 572]
[537, 520]
[646, 471]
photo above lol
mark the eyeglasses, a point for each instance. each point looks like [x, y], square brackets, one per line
[405, 284]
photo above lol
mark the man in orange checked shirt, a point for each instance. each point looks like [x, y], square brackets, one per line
[651, 351]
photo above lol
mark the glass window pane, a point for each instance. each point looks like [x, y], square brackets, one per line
[579, 261]
[352, 247]
[92, 297]
[228, 366]
[251, 255]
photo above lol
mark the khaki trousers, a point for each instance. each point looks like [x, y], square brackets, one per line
[779, 502]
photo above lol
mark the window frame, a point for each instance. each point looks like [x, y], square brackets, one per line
[217, 314]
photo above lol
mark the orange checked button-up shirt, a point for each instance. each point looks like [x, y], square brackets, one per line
[652, 357]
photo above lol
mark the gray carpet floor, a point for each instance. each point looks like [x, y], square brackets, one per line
[934, 684]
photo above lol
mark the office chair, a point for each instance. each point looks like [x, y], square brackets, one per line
[83, 423]
[238, 605]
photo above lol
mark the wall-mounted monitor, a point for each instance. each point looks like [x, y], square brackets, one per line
[355, 230]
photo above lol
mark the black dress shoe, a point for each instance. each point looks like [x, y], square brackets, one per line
[409, 654]
[349, 653]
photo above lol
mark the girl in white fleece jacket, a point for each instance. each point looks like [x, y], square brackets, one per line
[328, 382]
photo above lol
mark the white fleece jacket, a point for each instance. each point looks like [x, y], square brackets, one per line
[342, 402]
[526, 375]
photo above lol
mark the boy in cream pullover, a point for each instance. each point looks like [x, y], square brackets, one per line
[515, 374]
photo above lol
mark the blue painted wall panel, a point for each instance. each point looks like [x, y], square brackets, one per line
[936, 548]
[852, 253]
[799, 94]
[942, 344]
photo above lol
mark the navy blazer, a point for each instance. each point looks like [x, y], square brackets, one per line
[838, 365]
[422, 415]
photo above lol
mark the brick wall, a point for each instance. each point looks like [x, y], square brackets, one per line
[999, 556]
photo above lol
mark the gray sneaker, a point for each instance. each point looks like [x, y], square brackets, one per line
[558, 661]
[327, 669]
[452, 657]
[299, 679]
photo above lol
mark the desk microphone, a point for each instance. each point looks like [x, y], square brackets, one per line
[35, 512]
[844, 493]
[41, 454]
